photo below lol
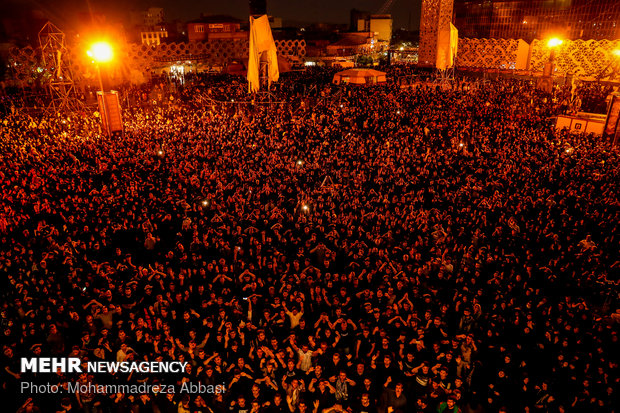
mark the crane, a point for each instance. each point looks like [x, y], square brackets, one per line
[386, 7]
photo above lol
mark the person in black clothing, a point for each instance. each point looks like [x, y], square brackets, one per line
[278, 405]
[323, 393]
[452, 230]
[365, 405]
[240, 405]
[387, 374]
[394, 401]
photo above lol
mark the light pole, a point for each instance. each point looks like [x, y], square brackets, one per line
[101, 52]
[546, 81]
[553, 44]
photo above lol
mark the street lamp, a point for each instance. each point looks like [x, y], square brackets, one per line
[553, 44]
[101, 52]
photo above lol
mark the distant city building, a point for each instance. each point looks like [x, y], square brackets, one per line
[538, 19]
[149, 28]
[153, 16]
[356, 16]
[379, 24]
[275, 22]
[154, 37]
[149, 17]
[351, 44]
[212, 27]
[221, 27]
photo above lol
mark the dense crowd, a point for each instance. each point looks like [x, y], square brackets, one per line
[369, 250]
[591, 97]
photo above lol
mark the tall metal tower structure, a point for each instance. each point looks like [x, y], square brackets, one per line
[436, 16]
[56, 66]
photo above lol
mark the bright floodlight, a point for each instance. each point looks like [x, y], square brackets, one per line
[554, 42]
[101, 52]
[616, 52]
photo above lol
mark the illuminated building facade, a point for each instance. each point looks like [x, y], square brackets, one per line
[154, 37]
[537, 19]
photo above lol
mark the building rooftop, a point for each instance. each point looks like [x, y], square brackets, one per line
[216, 18]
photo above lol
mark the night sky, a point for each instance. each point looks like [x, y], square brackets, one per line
[63, 12]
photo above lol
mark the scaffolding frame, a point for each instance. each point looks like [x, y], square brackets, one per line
[55, 62]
